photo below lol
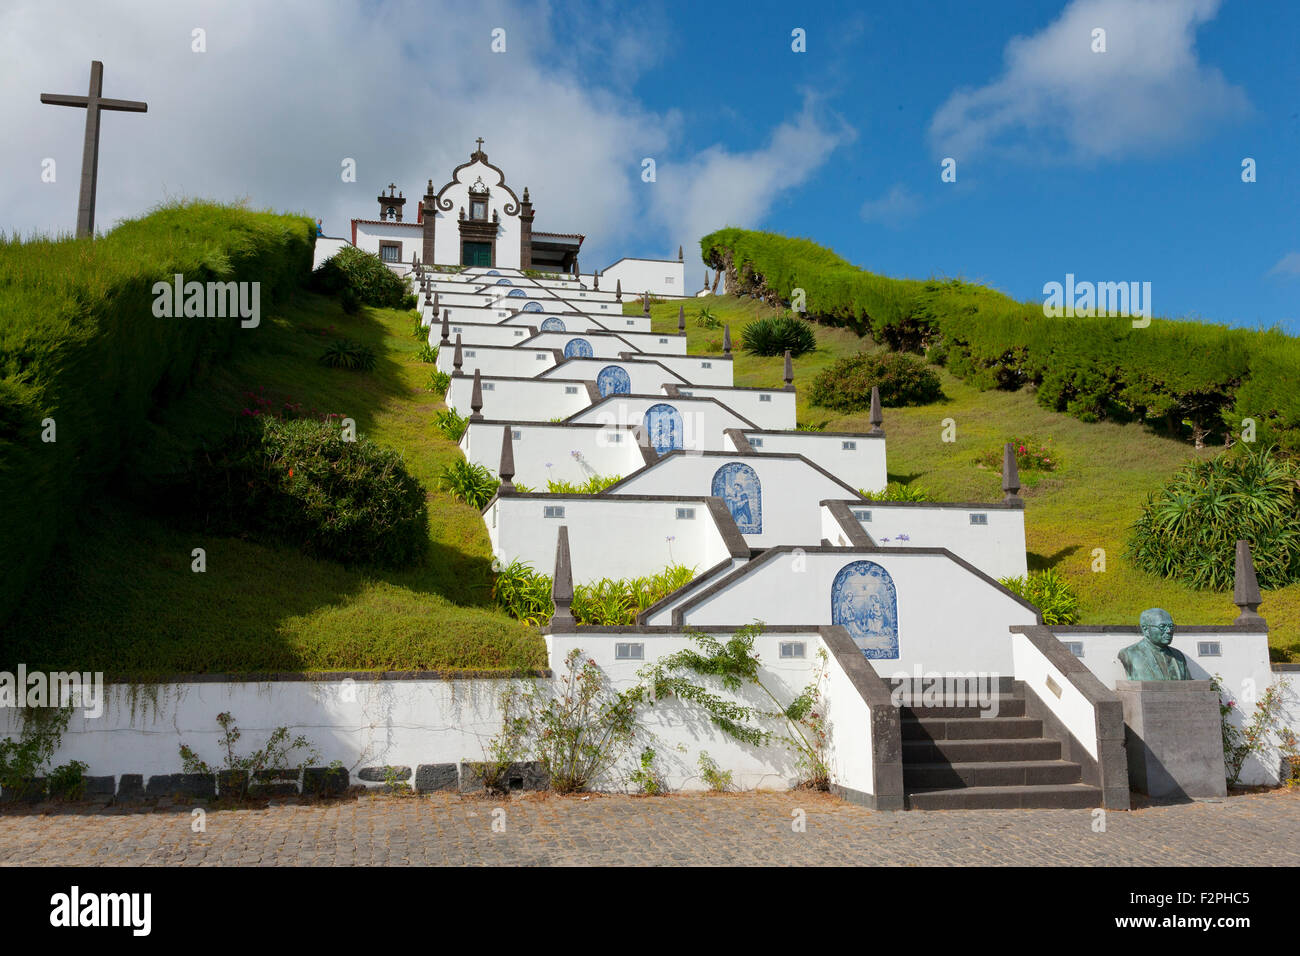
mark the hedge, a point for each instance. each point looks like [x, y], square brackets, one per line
[1185, 376]
[79, 344]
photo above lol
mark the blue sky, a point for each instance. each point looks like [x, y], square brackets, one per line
[1122, 166]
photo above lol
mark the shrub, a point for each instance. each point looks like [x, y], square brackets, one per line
[79, 343]
[705, 319]
[772, 335]
[1050, 592]
[592, 486]
[467, 482]
[903, 379]
[439, 382]
[523, 593]
[718, 780]
[302, 482]
[238, 773]
[1030, 456]
[427, 353]
[1188, 530]
[450, 424]
[365, 274]
[895, 491]
[344, 353]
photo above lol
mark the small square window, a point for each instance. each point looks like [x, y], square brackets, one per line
[470, 353]
[615, 438]
[791, 649]
[681, 391]
[663, 341]
[685, 514]
[519, 332]
[516, 434]
[979, 519]
[631, 321]
[570, 390]
[668, 280]
[629, 652]
[541, 356]
[756, 443]
[706, 365]
[553, 511]
[848, 446]
[1209, 649]
[456, 328]
[489, 386]
[1074, 647]
[862, 514]
[765, 398]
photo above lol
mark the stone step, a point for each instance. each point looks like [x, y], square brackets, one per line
[1005, 773]
[1069, 796]
[1008, 706]
[979, 750]
[970, 728]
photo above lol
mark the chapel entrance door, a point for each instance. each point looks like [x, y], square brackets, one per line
[476, 254]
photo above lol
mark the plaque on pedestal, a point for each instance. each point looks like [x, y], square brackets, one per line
[1174, 737]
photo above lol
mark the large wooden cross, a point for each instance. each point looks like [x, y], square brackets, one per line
[92, 104]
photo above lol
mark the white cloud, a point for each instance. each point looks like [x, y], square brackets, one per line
[717, 187]
[898, 204]
[286, 91]
[1057, 98]
[1288, 265]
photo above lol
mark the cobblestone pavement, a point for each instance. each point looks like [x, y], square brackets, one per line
[681, 830]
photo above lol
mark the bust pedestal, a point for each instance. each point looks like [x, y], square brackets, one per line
[1173, 737]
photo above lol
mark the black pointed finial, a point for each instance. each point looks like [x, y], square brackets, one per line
[507, 469]
[1010, 474]
[446, 326]
[476, 398]
[595, 279]
[679, 253]
[618, 290]
[789, 369]
[876, 418]
[645, 308]
[456, 360]
[1245, 586]
[562, 583]
[726, 339]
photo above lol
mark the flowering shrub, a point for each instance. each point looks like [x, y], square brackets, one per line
[1030, 456]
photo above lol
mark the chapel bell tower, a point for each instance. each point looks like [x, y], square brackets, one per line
[390, 206]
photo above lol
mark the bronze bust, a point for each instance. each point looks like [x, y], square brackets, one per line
[1152, 658]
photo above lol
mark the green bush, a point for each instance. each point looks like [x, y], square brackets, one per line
[365, 274]
[523, 593]
[1188, 530]
[344, 353]
[439, 382]
[470, 483]
[427, 353]
[526, 594]
[1050, 592]
[773, 334]
[302, 482]
[705, 319]
[895, 491]
[450, 424]
[1031, 455]
[903, 380]
[80, 346]
[592, 486]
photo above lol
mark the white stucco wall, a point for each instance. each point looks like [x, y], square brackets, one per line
[647, 377]
[472, 334]
[659, 277]
[408, 233]
[608, 538]
[326, 246]
[848, 728]
[697, 369]
[790, 490]
[862, 465]
[703, 420]
[1073, 709]
[996, 548]
[766, 407]
[603, 344]
[496, 360]
[520, 399]
[599, 451]
[948, 618]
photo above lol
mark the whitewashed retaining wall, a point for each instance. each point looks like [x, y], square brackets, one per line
[545, 452]
[703, 420]
[520, 399]
[608, 537]
[659, 277]
[603, 344]
[473, 334]
[497, 360]
[697, 369]
[772, 408]
[857, 460]
[647, 376]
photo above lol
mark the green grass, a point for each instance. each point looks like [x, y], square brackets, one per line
[1090, 502]
[120, 595]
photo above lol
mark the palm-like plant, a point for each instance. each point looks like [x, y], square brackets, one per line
[468, 482]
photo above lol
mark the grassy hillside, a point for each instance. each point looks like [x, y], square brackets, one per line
[120, 595]
[1106, 471]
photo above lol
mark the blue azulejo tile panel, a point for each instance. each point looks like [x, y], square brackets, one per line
[737, 484]
[863, 600]
[663, 423]
[613, 380]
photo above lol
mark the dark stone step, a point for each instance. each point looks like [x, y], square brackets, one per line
[1074, 796]
[979, 751]
[970, 728]
[1006, 707]
[1007, 773]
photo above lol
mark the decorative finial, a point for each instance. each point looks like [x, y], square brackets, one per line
[507, 469]
[645, 309]
[562, 583]
[1010, 474]
[681, 318]
[476, 398]
[526, 194]
[446, 323]
[618, 290]
[1245, 586]
[595, 278]
[876, 418]
[789, 369]
[726, 339]
[679, 253]
[456, 361]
